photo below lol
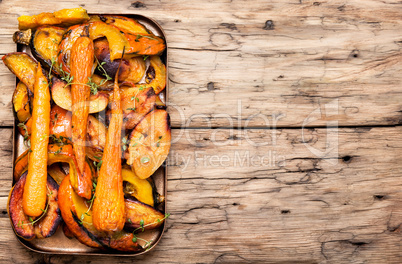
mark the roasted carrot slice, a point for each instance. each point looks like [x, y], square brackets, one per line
[82, 55]
[109, 208]
[34, 197]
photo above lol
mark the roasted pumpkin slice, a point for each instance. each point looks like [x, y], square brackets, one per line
[41, 227]
[117, 41]
[149, 143]
[102, 83]
[45, 44]
[139, 214]
[56, 172]
[21, 102]
[61, 94]
[20, 165]
[25, 129]
[156, 74]
[65, 17]
[136, 103]
[23, 37]
[141, 189]
[96, 138]
[23, 66]
[66, 44]
[77, 214]
[60, 124]
[144, 44]
[122, 23]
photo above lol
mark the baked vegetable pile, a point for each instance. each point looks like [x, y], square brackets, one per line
[94, 128]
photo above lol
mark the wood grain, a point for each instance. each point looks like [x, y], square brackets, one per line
[258, 64]
[301, 208]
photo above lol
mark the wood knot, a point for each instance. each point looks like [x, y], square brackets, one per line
[285, 211]
[231, 26]
[138, 4]
[347, 159]
[354, 53]
[316, 3]
[269, 25]
[4, 211]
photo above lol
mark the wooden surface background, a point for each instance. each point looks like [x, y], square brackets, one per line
[259, 194]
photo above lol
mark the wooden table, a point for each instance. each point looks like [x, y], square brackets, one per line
[286, 119]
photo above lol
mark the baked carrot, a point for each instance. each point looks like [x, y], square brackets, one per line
[82, 56]
[34, 197]
[109, 208]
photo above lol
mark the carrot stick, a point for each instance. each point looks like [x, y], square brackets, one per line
[82, 55]
[109, 208]
[34, 197]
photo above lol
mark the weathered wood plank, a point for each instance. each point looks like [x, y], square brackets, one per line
[341, 209]
[227, 66]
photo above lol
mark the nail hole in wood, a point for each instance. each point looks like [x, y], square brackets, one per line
[210, 86]
[3, 212]
[285, 212]
[379, 197]
[269, 25]
[177, 20]
[234, 204]
[347, 159]
[138, 4]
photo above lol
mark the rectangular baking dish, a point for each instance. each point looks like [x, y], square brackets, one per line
[59, 243]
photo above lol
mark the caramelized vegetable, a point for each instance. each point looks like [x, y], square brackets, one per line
[117, 41]
[44, 46]
[142, 44]
[61, 95]
[78, 216]
[139, 213]
[34, 197]
[156, 74]
[60, 123]
[109, 209]
[27, 227]
[20, 165]
[56, 172]
[23, 66]
[21, 102]
[23, 36]
[136, 103]
[96, 138]
[149, 143]
[123, 23]
[61, 17]
[81, 65]
[140, 189]
[66, 44]
[25, 128]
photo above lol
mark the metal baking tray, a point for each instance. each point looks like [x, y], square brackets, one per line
[59, 243]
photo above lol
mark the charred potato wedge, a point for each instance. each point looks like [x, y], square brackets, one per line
[61, 95]
[45, 44]
[23, 66]
[149, 143]
[21, 102]
[41, 227]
